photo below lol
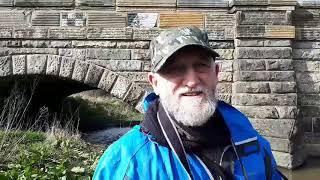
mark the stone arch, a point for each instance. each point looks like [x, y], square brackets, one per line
[80, 71]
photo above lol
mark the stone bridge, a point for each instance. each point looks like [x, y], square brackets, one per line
[270, 55]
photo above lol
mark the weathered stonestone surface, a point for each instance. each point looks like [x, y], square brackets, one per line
[133, 44]
[67, 33]
[53, 65]
[264, 76]
[277, 43]
[308, 88]
[225, 53]
[36, 64]
[142, 3]
[19, 64]
[96, 44]
[225, 97]
[60, 44]
[95, 3]
[225, 66]
[10, 43]
[45, 18]
[248, 2]
[307, 125]
[306, 17]
[30, 33]
[250, 64]
[265, 99]
[119, 65]
[108, 19]
[287, 112]
[263, 112]
[225, 77]
[80, 71]
[35, 43]
[221, 45]
[134, 94]
[94, 74]
[6, 3]
[142, 20]
[316, 125]
[251, 87]
[78, 54]
[144, 34]
[265, 31]
[32, 50]
[221, 33]
[307, 33]
[306, 54]
[262, 43]
[245, 31]
[263, 53]
[109, 33]
[306, 45]
[309, 99]
[224, 88]
[283, 87]
[279, 64]
[107, 80]
[73, 19]
[146, 66]
[120, 87]
[36, 3]
[5, 66]
[287, 160]
[279, 144]
[142, 54]
[308, 77]
[5, 32]
[108, 54]
[201, 3]
[219, 19]
[13, 18]
[262, 18]
[281, 128]
[66, 67]
[135, 76]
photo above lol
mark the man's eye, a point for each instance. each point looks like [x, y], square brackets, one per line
[202, 67]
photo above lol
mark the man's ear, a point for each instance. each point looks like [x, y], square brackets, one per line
[153, 81]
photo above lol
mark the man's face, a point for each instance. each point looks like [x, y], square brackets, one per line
[186, 85]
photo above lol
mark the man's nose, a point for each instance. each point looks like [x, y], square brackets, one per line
[191, 78]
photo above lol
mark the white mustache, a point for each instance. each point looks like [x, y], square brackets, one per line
[191, 90]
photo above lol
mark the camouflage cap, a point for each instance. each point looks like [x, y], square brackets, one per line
[170, 41]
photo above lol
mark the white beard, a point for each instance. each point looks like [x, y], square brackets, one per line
[191, 111]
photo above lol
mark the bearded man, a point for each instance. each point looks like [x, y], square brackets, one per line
[187, 133]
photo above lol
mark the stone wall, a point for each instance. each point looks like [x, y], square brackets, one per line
[269, 54]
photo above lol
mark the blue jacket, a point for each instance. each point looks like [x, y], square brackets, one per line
[136, 156]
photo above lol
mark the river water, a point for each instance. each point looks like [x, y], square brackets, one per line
[310, 170]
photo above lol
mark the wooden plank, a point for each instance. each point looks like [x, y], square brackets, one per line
[106, 19]
[35, 3]
[150, 3]
[168, 20]
[45, 18]
[220, 19]
[202, 3]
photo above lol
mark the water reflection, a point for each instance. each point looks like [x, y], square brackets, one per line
[310, 170]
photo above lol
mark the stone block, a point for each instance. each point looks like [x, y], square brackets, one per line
[141, 54]
[267, 31]
[67, 33]
[61, 44]
[263, 18]
[283, 87]
[287, 112]
[33, 51]
[95, 3]
[279, 64]
[306, 45]
[287, 160]
[45, 18]
[5, 32]
[13, 18]
[19, 64]
[145, 34]
[312, 54]
[30, 33]
[225, 97]
[277, 43]
[244, 31]
[316, 124]
[219, 19]
[147, 3]
[201, 3]
[120, 65]
[308, 88]
[94, 75]
[167, 20]
[225, 76]
[53, 65]
[102, 44]
[251, 87]
[133, 44]
[250, 64]
[135, 76]
[221, 33]
[225, 66]
[263, 53]
[10, 43]
[6, 3]
[309, 3]
[146, 66]
[73, 18]
[264, 76]
[45, 3]
[120, 87]
[249, 42]
[304, 66]
[134, 94]
[308, 77]
[279, 128]
[225, 53]
[35, 43]
[224, 88]
[248, 2]
[306, 17]
[107, 54]
[263, 112]
[283, 2]
[109, 33]
[108, 19]
[309, 99]
[221, 44]
[306, 124]
[307, 33]
[66, 67]
[142, 20]
[80, 71]
[5, 66]
[265, 99]
[36, 64]
[107, 80]
[78, 54]
[279, 144]
[310, 111]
